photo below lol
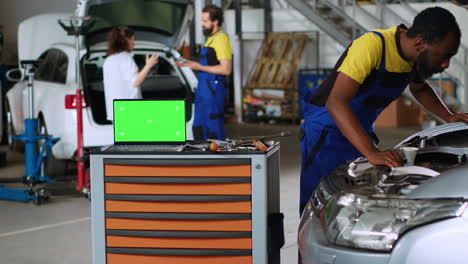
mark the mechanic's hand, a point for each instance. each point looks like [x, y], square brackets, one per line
[389, 158]
[458, 117]
[191, 64]
[153, 60]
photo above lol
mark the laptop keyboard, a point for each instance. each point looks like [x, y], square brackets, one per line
[148, 147]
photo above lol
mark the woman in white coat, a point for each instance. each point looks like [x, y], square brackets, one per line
[121, 77]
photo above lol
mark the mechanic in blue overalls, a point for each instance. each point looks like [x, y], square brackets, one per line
[213, 68]
[373, 71]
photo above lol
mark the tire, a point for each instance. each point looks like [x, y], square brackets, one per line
[42, 195]
[55, 167]
[4, 138]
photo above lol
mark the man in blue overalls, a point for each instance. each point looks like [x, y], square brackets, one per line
[213, 68]
[372, 72]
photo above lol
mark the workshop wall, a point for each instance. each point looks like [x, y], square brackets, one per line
[460, 14]
[456, 69]
[13, 12]
[284, 20]
[291, 20]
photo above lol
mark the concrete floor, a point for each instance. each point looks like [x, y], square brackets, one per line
[59, 232]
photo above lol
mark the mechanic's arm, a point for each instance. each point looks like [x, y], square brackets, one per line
[430, 100]
[224, 68]
[338, 105]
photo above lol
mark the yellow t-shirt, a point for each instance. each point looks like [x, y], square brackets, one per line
[365, 53]
[363, 57]
[220, 48]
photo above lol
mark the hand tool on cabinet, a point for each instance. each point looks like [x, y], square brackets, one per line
[233, 144]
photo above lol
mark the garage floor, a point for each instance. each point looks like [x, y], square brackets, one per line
[59, 232]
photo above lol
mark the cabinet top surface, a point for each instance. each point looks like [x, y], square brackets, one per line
[147, 150]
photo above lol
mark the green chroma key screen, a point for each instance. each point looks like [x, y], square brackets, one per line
[149, 121]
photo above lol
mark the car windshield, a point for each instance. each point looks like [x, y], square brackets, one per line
[161, 17]
[163, 81]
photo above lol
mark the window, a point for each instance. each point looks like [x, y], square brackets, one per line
[53, 67]
[163, 68]
[160, 16]
[162, 82]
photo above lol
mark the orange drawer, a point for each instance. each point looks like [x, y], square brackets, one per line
[182, 225]
[178, 207]
[143, 259]
[189, 243]
[200, 189]
[177, 171]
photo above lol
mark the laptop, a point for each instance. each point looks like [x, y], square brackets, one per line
[147, 125]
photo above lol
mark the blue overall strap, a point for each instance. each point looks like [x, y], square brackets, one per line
[209, 103]
[382, 60]
[379, 89]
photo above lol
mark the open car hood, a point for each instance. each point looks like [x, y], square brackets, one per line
[39, 33]
[161, 21]
[462, 3]
[440, 168]
[419, 139]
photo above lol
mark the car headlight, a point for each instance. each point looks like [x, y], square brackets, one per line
[319, 199]
[306, 215]
[377, 223]
[315, 206]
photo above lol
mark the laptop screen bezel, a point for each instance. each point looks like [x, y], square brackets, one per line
[150, 142]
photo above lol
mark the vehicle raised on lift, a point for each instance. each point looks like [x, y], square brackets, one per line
[42, 38]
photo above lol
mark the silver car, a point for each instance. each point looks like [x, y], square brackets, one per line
[418, 213]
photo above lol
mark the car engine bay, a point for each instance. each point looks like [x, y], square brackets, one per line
[434, 156]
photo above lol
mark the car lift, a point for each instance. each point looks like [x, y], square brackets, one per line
[79, 26]
[35, 162]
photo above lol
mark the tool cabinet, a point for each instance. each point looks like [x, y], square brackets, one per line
[191, 207]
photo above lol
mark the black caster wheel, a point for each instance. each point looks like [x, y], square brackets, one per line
[87, 193]
[42, 196]
[38, 201]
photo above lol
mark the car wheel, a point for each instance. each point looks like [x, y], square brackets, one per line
[13, 145]
[4, 139]
[55, 167]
